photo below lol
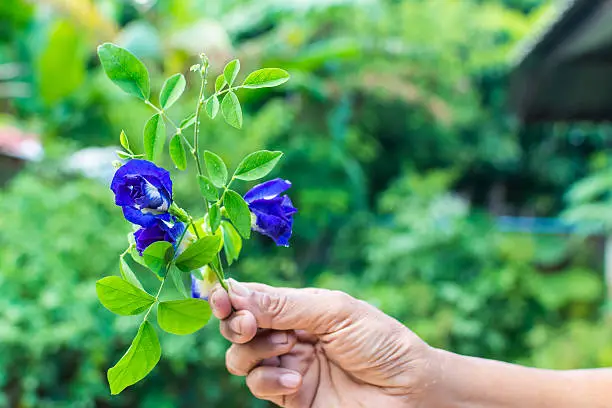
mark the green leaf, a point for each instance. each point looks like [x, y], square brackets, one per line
[220, 83]
[257, 165]
[177, 152]
[157, 256]
[199, 253]
[121, 297]
[125, 70]
[183, 316]
[231, 110]
[230, 72]
[232, 243]
[154, 137]
[208, 189]
[212, 106]
[136, 256]
[238, 211]
[187, 122]
[127, 274]
[172, 90]
[125, 143]
[216, 168]
[123, 155]
[138, 361]
[177, 279]
[266, 78]
[214, 216]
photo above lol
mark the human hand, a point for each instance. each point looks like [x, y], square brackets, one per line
[319, 348]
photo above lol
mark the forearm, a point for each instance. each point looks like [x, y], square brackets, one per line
[464, 382]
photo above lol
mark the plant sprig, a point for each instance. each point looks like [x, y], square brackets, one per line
[226, 220]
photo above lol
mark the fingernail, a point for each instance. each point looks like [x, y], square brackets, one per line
[234, 324]
[239, 289]
[290, 380]
[279, 338]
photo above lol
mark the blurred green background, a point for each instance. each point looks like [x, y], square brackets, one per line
[402, 155]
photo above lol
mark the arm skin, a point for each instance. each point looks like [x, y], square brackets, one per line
[312, 348]
[462, 382]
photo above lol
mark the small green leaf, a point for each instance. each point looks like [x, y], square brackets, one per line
[215, 217]
[172, 90]
[154, 137]
[208, 189]
[121, 297]
[212, 106]
[138, 361]
[257, 165]
[125, 143]
[157, 256]
[177, 279]
[199, 253]
[220, 83]
[231, 110]
[125, 70]
[183, 316]
[187, 122]
[266, 78]
[238, 211]
[230, 72]
[123, 155]
[127, 274]
[177, 152]
[217, 170]
[232, 243]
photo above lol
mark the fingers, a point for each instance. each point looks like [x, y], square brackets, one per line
[240, 328]
[316, 311]
[270, 382]
[240, 359]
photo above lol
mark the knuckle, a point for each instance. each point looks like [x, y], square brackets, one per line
[273, 304]
[342, 302]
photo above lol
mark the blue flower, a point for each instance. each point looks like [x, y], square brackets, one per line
[163, 229]
[143, 190]
[273, 212]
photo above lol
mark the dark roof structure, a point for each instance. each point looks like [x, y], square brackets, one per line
[566, 72]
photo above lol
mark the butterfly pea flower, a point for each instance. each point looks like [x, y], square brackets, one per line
[165, 228]
[143, 191]
[202, 282]
[272, 213]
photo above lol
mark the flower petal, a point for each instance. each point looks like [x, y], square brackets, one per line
[273, 226]
[157, 176]
[135, 216]
[267, 190]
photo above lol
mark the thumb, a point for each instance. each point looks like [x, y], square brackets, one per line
[317, 311]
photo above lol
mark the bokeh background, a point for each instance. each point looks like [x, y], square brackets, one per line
[418, 191]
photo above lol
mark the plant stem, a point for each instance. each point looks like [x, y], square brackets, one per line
[200, 102]
[167, 118]
[161, 286]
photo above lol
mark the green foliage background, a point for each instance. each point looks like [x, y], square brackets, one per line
[401, 153]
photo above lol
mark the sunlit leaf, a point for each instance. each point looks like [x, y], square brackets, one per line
[232, 112]
[257, 165]
[266, 78]
[172, 90]
[154, 137]
[232, 242]
[177, 152]
[238, 212]
[199, 253]
[157, 256]
[183, 316]
[208, 189]
[212, 106]
[121, 297]
[142, 356]
[216, 168]
[125, 70]
[230, 72]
